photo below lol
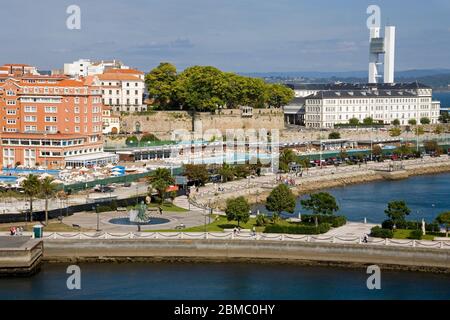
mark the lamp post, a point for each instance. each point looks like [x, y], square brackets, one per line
[98, 216]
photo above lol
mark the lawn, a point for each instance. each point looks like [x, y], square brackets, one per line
[405, 234]
[53, 226]
[218, 224]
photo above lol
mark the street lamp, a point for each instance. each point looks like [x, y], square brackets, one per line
[95, 208]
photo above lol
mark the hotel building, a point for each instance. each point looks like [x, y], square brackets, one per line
[51, 121]
[328, 105]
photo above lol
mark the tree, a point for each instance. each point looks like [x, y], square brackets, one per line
[412, 122]
[396, 122]
[353, 121]
[419, 131]
[438, 130]
[278, 95]
[368, 121]
[148, 137]
[287, 156]
[238, 210]
[227, 172]
[395, 132]
[334, 136]
[280, 199]
[444, 218]
[432, 146]
[48, 191]
[160, 180]
[132, 141]
[397, 211]
[444, 117]
[31, 188]
[198, 172]
[425, 121]
[377, 150]
[160, 84]
[320, 203]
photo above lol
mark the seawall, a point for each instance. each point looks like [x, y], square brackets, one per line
[354, 255]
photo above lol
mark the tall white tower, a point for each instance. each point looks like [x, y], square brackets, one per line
[378, 47]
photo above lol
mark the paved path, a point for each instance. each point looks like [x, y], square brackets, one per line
[351, 229]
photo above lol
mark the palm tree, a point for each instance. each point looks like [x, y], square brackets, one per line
[160, 180]
[31, 186]
[48, 190]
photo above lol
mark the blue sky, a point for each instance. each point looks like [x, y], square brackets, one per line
[235, 35]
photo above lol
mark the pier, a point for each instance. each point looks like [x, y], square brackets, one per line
[20, 256]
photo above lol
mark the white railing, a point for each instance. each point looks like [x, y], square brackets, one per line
[247, 236]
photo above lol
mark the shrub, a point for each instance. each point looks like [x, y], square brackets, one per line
[260, 220]
[415, 234]
[298, 229]
[378, 232]
[334, 221]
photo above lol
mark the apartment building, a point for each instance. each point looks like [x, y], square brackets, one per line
[86, 67]
[123, 90]
[111, 123]
[50, 121]
[382, 102]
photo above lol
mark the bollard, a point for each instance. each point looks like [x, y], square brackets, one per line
[334, 239]
[414, 243]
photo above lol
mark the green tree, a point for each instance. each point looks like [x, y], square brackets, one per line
[432, 146]
[238, 209]
[31, 187]
[278, 95]
[425, 121]
[280, 199]
[412, 122]
[396, 122]
[444, 219]
[395, 132]
[148, 137]
[287, 156]
[227, 172]
[397, 211]
[320, 203]
[354, 121]
[132, 141]
[334, 136]
[377, 150]
[160, 180]
[48, 191]
[368, 121]
[160, 84]
[419, 131]
[438, 130]
[197, 172]
[444, 117]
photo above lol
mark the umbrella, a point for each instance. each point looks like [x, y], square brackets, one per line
[56, 181]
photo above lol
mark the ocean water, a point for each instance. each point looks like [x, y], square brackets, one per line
[426, 196]
[188, 281]
[444, 97]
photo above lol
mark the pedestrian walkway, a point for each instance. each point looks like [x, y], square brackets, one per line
[351, 229]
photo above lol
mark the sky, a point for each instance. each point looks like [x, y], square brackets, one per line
[234, 35]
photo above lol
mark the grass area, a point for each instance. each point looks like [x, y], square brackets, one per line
[218, 224]
[53, 226]
[169, 207]
[406, 234]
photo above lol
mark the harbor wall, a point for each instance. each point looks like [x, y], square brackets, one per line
[73, 250]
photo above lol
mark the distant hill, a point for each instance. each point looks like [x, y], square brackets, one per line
[436, 78]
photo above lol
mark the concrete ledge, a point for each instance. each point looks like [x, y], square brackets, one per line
[21, 257]
[351, 254]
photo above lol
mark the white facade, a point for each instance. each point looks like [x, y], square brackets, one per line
[328, 108]
[122, 92]
[111, 123]
[86, 67]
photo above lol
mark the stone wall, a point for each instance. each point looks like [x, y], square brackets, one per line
[163, 123]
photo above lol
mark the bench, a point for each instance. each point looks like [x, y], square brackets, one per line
[76, 226]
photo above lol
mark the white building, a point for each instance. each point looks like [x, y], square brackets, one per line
[111, 123]
[382, 102]
[123, 90]
[86, 67]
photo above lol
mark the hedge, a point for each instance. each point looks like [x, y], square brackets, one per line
[334, 221]
[411, 225]
[378, 232]
[298, 229]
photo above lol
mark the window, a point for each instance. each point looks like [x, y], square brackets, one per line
[51, 109]
[50, 119]
[30, 157]
[77, 119]
[30, 128]
[10, 93]
[11, 121]
[52, 129]
[11, 102]
[77, 129]
[10, 111]
[77, 109]
[30, 118]
[8, 157]
[30, 109]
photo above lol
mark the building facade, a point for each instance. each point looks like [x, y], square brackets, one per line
[86, 67]
[111, 123]
[47, 119]
[382, 102]
[123, 90]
